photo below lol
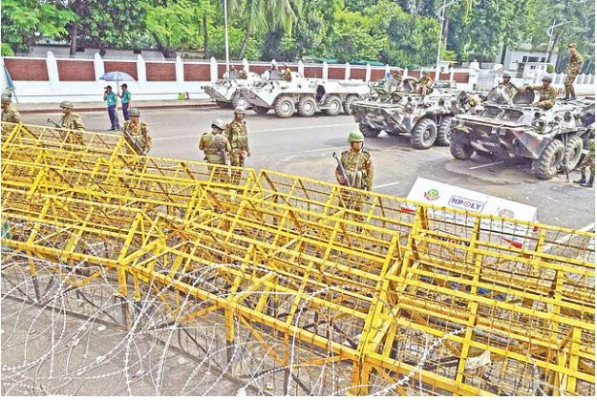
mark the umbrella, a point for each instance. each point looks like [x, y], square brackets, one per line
[116, 76]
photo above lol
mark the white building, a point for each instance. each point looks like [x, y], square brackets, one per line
[524, 62]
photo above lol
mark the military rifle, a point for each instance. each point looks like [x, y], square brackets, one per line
[133, 144]
[342, 170]
[56, 124]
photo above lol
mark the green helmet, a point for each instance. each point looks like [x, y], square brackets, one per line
[355, 137]
[134, 112]
[6, 98]
[240, 110]
[66, 104]
[218, 123]
[547, 78]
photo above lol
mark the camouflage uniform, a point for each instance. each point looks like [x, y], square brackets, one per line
[139, 134]
[547, 96]
[286, 75]
[359, 169]
[10, 114]
[73, 122]
[242, 74]
[236, 132]
[574, 67]
[510, 88]
[589, 161]
[425, 84]
[217, 151]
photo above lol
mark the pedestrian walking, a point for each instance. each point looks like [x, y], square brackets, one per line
[111, 100]
[125, 100]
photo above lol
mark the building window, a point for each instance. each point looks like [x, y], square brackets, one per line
[533, 59]
[524, 58]
[542, 59]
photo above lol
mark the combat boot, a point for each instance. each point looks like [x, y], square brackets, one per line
[589, 183]
[582, 180]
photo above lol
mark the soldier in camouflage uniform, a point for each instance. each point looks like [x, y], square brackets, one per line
[137, 134]
[588, 162]
[574, 67]
[547, 93]
[217, 149]
[359, 169]
[425, 84]
[73, 122]
[236, 132]
[9, 113]
[506, 84]
[286, 74]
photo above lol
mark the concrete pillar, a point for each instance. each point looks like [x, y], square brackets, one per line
[324, 70]
[213, 69]
[141, 70]
[3, 80]
[98, 66]
[451, 74]
[52, 67]
[301, 68]
[246, 65]
[368, 73]
[437, 71]
[387, 70]
[179, 68]
[347, 71]
[405, 72]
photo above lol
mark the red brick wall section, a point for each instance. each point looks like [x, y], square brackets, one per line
[443, 76]
[461, 77]
[197, 72]
[123, 66]
[258, 69]
[336, 72]
[26, 69]
[313, 72]
[378, 74]
[222, 68]
[358, 73]
[76, 70]
[160, 72]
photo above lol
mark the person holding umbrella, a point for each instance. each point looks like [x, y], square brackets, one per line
[125, 99]
[111, 99]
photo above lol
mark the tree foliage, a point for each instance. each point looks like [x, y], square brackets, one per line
[399, 32]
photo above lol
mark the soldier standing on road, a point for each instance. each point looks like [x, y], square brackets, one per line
[574, 67]
[72, 121]
[425, 84]
[9, 113]
[589, 162]
[217, 149]
[506, 84]
[358, 166]
[547, 93]
[236, 132]
[137, 134]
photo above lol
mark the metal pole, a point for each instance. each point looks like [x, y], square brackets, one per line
[226, 36]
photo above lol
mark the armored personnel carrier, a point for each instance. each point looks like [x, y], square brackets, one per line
[227, 93]
[507, 128]
[403, 111]
[306, 96]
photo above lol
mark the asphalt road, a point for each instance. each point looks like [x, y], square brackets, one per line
[304, 146]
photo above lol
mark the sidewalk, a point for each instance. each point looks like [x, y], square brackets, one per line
[40, 108]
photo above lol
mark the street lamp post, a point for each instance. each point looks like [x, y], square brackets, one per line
[442, 11]
[226, 36]
[549, 32]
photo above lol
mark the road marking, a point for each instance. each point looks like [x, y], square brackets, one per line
[299, 128]
[567, 237]
[385, 185]
[486, 165]
[322, 149]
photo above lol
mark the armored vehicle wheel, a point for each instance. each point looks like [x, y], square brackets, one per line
[347, 104]
[306, 106]
[546, 167]
[424, 134]
[260, 110]
[461, 151]
[334, 105]
[573, 153]
[239, 101]
[223, 104]
[443, 132]
[284, 107]
[368, 131]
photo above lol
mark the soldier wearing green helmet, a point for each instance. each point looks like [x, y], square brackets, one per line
[9, 113]
[357, 163]
[137, 133]
[238, 137]
[72, 121]
[547, 93]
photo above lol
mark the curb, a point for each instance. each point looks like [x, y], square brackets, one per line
[54, 110]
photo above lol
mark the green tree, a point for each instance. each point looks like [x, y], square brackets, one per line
[24, 22]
